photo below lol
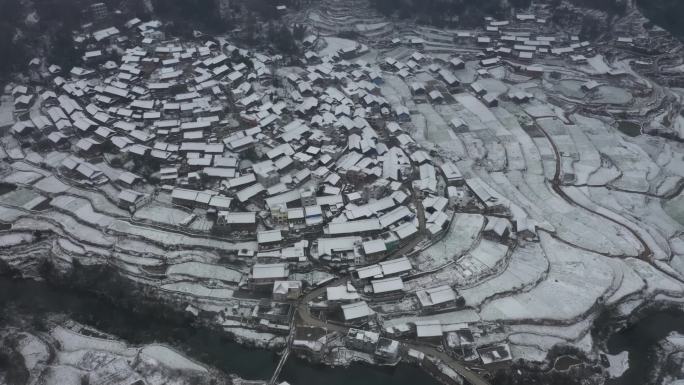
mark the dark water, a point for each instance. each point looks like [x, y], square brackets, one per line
[667, 14]
[640, 340]
[298, 372]
[209, 347]
[628, 128]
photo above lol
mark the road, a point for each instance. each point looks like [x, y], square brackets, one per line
[472, 377]
[646, 254]
[303, 316]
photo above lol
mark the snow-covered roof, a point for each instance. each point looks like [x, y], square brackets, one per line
[395, 266]
[436, 295]
[356, 310]
[269, 236]
[374, 246]
[428, 328]
[342, 293]
[387, 285]
[266, 271]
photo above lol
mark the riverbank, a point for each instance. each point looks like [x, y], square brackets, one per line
[208, 346]
[42, 347]
[639, 334]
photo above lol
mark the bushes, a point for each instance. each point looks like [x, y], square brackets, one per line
[191, 14]
[12, 366]
[666, 13]
[442, 12]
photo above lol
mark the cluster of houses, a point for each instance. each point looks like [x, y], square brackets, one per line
[316, 343]
[320, 168]
[522, 39]
[324, 158]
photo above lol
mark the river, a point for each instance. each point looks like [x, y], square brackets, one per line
[665, 13]
[639, 340]
[209, 347]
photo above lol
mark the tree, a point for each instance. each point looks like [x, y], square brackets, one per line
[299, 31]
[521, 3]
[282, 39]
[192, 14]
[591, 28]
[62, 51]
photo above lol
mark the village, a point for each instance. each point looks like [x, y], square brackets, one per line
[454, 199]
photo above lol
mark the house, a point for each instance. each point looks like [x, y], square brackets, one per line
[625, 41]
[460, 340]
[436, 96]
[392, 268]
[227, 222]
[116, 371]
[449, 78]
[590, 85]
[88, 147]
[457, 63]
[490, 62]
[128, 179]
[490, 100]
[360, 227]
[342, 251]
[374, 250]
[311, 341]
[191, 198]
[497, 229]
[478, 89]
[362, 340]
[429, 330]
[356, 313]
[130, 200]
[403, 114]
[451, 173]
[264, 276]
[494, 354]
[436, 297]
[388, 287]
[287, 290]
[342, 294]
[269, 239]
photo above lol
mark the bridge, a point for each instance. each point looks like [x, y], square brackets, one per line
[286, 352]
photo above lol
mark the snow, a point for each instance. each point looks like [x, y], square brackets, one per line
[70, 341]
[15, 239]
[461, 236]
[156, 212]
[453, 317]
[656, 280]
[22, 177]
[204, 271]
[527, 266]
[177, 239]
[334, 44]
[489, 253]
[619, 363]
[62, 224]
[253, 335]
[51, 185]
[6, 111]
[62, 375]
[576, 279]
[170, 358]
[598, 64]
[197, 290]
[33, 350]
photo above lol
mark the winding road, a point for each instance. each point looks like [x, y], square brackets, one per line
[303, 316]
